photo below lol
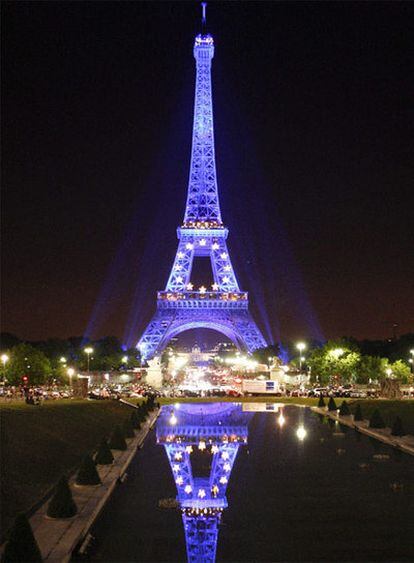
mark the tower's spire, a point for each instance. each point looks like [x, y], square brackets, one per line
[203, 17]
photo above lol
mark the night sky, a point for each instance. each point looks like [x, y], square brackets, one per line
[314, 130]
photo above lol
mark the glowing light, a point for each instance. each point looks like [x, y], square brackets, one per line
[4, 358]
[87, 350]
[226, 279]
[201, 445]
[281, 420]
[189, 449]
[301, 346]
[180, 254]
[190, 286]
[214, 449]
[189, 246]
[179, 480]
[203, 289]
[178, 456]
[70, 372]
[201, 493]
[226, 467]
[179, 279]
[388, 371]
[215, 246]
[214, 286]
[223, 255]
[176, 467]
[223, 480]
[227, 268]
[215, 490]
[225, 455]
[203, 242]
[337, 352]
[178, 267]
[124, 359]
[63, 360]
[173, 420]
[188, 489]
[301, 433]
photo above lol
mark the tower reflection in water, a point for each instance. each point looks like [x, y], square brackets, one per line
[202, 438]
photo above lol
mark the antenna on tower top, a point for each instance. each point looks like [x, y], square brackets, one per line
[203, 18]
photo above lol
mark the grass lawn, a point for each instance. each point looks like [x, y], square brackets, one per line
[388, 409]
[39, 443]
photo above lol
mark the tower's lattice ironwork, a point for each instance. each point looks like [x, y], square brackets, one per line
[218, 430]
[222, 306]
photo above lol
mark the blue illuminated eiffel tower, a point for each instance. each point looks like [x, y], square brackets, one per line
[218, 430]
[181, 306]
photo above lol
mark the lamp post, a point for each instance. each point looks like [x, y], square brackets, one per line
[70, 372]
[4, 359]
[301, 346]
[88, 351]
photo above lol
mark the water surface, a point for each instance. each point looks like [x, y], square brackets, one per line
[289, 487]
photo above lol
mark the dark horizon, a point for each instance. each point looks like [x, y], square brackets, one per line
[313, 126]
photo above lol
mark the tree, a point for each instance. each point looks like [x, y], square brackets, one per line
[321, 402]
[371, 368]
[62, 504]
[358, 413]
[400, 370]
[331, 404]
[87, 474]
[344, 409]
[117, 441]
[25, 360]
[21, 545]
[397, 427]
[262, 355]
[335, 362]
[104, 455]
[376, 420]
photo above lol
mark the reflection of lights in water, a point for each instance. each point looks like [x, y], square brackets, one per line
[201, 445]
[281, 419]
[188, 489]
[201, 493]
[301, 433]
[173, 419]
[224, 455]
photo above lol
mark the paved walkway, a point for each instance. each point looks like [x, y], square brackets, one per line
[57, 539]
[404, 443]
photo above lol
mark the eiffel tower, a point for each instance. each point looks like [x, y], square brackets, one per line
[181, 306]
[217, 430]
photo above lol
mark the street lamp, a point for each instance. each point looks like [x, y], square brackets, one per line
[62, 360]
[124, 359]
[4, 359]
[301, 346]
[88, 351]
[70, 372]
[388, 371]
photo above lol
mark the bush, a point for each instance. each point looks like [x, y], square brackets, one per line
[321, 402]
[397, 427]
[62, 504]
[87, 474]
[21, 545]
[117, 441]
[135, 421]
[104, 455]
[128, 429]
[358, 413]
[376, 420]
[344, 409]
[332, 405]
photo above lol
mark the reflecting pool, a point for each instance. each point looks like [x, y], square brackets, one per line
[259, 482]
